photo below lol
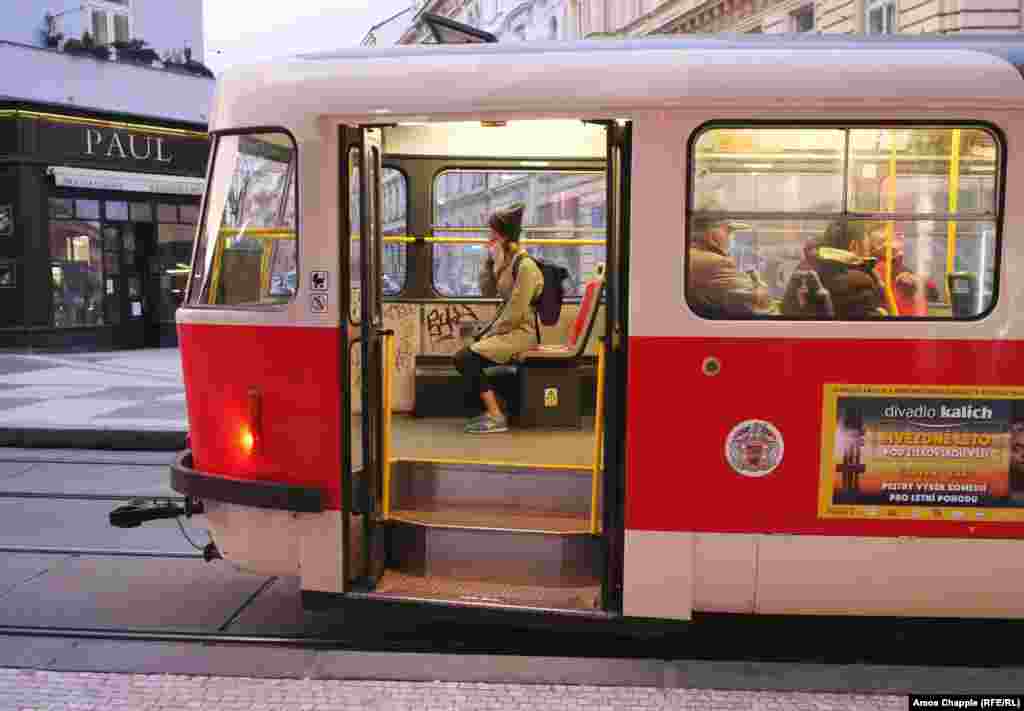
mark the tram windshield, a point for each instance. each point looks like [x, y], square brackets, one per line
[844, 223]
[246, 254]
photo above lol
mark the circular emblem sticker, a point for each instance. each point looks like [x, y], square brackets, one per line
[754, 448]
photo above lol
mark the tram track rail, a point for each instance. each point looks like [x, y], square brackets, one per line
[97, 552]
[70, 496]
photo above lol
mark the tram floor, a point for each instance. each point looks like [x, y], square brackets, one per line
[445, 438]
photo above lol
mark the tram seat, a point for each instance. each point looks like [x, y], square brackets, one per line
[548, 376]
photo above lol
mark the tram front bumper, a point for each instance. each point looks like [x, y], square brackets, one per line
[244, 492]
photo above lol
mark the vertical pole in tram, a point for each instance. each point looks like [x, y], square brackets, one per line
[954, 199]
[389, 358]
[598, 437]
[891, 226]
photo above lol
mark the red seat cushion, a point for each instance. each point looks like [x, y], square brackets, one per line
[586, 306]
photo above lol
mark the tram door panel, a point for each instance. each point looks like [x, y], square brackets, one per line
[619, 152]
[366, 545]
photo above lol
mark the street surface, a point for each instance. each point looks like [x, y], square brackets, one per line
[65, 567]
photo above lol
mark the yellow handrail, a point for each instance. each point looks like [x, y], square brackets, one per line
[595, 473]
[954, 199]
[258, 232]
[890, 227]
[389, 357]
[485, 228]
[538, 242]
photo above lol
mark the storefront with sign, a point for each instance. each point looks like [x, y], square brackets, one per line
[97, 218]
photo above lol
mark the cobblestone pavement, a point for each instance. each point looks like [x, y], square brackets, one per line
[21, 690]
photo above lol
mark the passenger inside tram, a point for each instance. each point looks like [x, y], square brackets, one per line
[509, 272]
[835, 280]
[717, 287]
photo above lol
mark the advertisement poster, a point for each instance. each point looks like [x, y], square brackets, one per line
[922, 452]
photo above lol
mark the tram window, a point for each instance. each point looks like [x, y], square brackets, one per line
[247, 251]
[564, 223]
[843, 223]
[394, 218]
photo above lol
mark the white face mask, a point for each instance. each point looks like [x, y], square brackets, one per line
[498, 255]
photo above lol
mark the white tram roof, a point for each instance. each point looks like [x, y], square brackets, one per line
[609, 78]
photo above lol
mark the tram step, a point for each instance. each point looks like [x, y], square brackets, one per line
[419, 485]
[493, 554]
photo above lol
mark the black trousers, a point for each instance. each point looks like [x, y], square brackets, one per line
[470, 365]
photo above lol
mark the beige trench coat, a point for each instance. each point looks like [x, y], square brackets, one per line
[514, 330]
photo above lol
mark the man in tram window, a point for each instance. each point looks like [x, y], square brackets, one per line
[911, 291]
[835, 280]
[717, 288]
[511, 274]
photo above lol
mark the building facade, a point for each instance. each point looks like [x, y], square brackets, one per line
[103, 152]
[514, 20]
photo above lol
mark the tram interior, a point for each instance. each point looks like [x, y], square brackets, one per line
[510, 518]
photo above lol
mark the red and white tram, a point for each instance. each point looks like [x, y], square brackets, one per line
[756, 463]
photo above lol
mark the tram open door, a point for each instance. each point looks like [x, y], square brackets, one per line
[421, 529]
[365, 342]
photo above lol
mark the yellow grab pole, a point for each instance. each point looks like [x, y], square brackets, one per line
[264, 269]
[954, 199]
[598, 439]
[389, 357]
[890, 228]
[218, 253]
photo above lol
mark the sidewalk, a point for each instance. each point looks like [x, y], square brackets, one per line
[112, 400]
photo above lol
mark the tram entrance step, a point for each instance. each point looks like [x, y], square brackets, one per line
[440, 391]
[452, 487]
[395, 583]
[502, 555]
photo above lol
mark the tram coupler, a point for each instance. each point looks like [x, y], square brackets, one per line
[139, 511]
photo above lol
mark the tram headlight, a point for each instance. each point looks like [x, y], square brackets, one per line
[252, 431]
[248, 441]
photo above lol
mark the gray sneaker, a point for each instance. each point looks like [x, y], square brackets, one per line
[472, 420]
[488, 425]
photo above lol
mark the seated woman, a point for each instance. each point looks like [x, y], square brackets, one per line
[833, 281]
[510, 273]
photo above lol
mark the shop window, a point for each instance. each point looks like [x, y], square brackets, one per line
[843, 223]
[174, 252]
[87, 209]
[141, 212]
[62, 208]
[117, 210]
[76, 268]
[246, 254]
[560, 209]
[166, 213]
[8, 274]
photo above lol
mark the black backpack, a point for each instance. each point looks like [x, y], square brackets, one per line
[548, 304]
